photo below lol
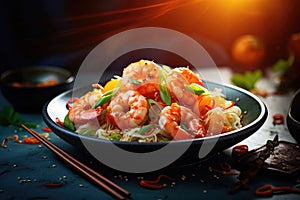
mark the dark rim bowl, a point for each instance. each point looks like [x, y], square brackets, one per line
[293, 116]
[30, 98]
[255, 115]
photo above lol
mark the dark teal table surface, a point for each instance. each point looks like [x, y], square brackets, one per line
[25, 169]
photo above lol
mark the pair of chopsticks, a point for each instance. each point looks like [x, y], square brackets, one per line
[98, 179]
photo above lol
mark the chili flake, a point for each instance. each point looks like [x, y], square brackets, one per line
[153, 184]
[278, 119]
[239, 150]
[47, 129]
[31, 140]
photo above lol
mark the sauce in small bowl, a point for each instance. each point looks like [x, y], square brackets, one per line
[29, 88]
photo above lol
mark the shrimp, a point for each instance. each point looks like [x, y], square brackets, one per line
[142, 76]
[181, 123]
[177, 80]
[82, 112]
[128, 109]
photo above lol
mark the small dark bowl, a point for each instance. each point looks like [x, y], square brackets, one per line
[293, 117]
[20, 86]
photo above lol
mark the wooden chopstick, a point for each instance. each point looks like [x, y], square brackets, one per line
[101, 181]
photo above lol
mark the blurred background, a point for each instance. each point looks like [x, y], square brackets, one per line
[244, 35]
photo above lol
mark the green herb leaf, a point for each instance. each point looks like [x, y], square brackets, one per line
[114, 136]
[184, 127]
[163, 90]
[165, 95]
[106, 97]
[165, 68]
[134, 81]
[9, 116]
[196, 89]
[282, 65]
[154, 109]
[88, 133]
[68, 123]
[247, 80]
[144, 129]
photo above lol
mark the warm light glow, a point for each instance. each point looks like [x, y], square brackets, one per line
[238, 4]
[114, 21]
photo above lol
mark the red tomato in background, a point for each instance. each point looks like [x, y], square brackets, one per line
[294, 45]
[248, 52]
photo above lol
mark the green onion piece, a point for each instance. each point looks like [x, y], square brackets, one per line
[163, 90]
[103, 114]
[165, 95]
[165, 68]
[106, 97]
[88, 133]
[184, 127]
[9, 116]
[154, 109]
[247, 80]
[28, 124]
[144, 129]
[134, 81]
[152, 102]
[68, 123]
[196, 89]
[115, 136]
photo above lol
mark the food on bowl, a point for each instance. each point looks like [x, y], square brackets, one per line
[152, 103]
[46, 83]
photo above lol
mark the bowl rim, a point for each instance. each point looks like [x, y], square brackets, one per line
[42, 68]
[289, 115]
[259, 121]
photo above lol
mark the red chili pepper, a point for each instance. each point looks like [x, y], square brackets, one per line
[152, 184]
[4, 141]
[53, 184]
[230, 106]
[16, 138]
[268, 190]
[70, 102]
[239, 150]
[47, 129]
[278, 119]
[31, 140]
[57, 120]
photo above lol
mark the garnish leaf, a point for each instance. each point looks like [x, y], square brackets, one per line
[282, 65]
[165, 95]
[144, 129]
[114, 136]
[154, 109]
[106, 97]
[134, 81]
[196, 89]
[68, 123]
[88, 132]
[9, 116]
[163, 90]
[165, 68]
[247, 80]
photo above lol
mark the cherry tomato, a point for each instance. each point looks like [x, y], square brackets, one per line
[248, 52]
